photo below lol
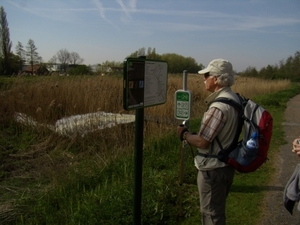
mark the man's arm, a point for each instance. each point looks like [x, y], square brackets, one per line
[212, 124]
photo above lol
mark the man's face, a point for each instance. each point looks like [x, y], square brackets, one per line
[210, 82]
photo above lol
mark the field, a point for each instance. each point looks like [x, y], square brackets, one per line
[47, 178]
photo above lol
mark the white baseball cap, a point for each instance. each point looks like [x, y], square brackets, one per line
[218, 67]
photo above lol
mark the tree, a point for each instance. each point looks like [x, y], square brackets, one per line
[176, 63]
[111, 63]
[32, 55]
[6, 44]
[250, 72]
[53, 60]
[52, 64]
[80, 70]
[63, 57]
[138, 53]
[141, 52]
[75, 58]
[104, 67]
[20, 52]
[296, 68]
[15, 63]
[151, 54]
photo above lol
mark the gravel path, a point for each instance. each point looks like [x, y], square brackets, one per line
[274, 210]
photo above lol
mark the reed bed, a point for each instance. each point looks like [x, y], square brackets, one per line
[47, 99]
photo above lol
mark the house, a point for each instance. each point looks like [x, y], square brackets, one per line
[36, 70]
[114, 69]
[54, 67]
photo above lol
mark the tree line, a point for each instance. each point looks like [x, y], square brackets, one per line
[286, 69]
[176, 63]
[13, 63]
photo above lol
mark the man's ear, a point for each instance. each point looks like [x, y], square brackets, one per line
[215, 79]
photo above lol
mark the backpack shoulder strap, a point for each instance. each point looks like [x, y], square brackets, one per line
[232, 103]
[240, 110]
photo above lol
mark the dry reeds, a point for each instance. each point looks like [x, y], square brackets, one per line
[48, 99]
[248, 87]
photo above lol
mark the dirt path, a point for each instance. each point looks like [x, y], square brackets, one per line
[274, 210]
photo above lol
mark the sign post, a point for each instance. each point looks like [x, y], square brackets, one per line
[144, 84]
[183, 100]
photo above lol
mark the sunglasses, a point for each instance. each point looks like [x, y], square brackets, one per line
[206, 75]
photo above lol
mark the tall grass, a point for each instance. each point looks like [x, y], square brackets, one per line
[49, 179]
[50, 98]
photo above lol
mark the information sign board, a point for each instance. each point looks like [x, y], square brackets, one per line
[145, 83]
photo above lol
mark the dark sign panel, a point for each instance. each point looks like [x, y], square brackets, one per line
[145, 83]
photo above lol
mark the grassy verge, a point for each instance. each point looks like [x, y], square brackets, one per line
[86, 193]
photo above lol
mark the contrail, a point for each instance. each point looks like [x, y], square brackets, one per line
[102, 12]
[127, 10]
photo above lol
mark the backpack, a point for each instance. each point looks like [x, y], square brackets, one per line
[252, 118]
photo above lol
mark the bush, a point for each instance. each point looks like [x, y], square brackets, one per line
[80, 70]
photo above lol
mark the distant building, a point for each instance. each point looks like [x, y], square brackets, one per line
[54, 67]
[114, 69]
[36, 70]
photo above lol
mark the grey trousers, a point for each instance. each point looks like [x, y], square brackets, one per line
[214, 186]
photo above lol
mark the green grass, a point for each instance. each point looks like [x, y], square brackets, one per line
[82, 192]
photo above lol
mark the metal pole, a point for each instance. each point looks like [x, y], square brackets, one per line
[182, 147]
[184, 123]
[185, 80]
[138, 164]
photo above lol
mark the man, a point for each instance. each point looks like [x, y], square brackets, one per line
[219, 121]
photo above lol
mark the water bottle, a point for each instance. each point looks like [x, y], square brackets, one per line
[252, 142]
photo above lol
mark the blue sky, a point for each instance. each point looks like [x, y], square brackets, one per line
[252, 33]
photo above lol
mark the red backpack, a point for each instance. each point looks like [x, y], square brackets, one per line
[252, 118]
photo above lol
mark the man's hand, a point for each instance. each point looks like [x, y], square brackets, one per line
[296, 146]
[181, 129]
